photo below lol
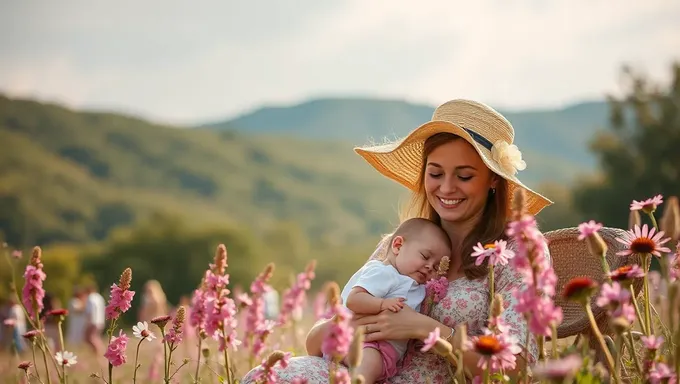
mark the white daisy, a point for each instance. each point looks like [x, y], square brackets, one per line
[141, 331]
[66, 358]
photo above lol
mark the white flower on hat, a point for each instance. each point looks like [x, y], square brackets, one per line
[508, 157]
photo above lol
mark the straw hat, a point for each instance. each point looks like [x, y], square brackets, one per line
[488, 131]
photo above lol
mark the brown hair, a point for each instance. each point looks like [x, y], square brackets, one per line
[491, 226]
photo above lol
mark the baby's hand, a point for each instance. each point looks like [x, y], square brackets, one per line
[394, 304]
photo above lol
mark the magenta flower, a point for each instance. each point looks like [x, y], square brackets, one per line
[197, 313]
[115, 353]
[430, 341]
[255, 312]
[642, 241]
[587, 229]
[175, 334]
[294, 298]
[32, 294]
[612, 295]
[661, 373]
[121, 296]
[557, 371]
[648, 205]
[339, 336]
[534, 298]
[652, 343]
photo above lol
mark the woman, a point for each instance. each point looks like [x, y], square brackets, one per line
[461, 169]
[154, 302]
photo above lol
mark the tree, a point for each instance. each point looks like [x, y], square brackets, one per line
[639, 154]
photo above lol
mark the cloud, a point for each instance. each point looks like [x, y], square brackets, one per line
[190, 64]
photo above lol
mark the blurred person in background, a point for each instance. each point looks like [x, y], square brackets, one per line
[51, 323]
[77, 319]
[154, 301]
[95, 318]
[13, 325]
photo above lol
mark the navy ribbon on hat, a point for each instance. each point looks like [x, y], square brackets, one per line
[479, 139]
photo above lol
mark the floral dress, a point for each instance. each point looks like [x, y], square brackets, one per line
[466, 301]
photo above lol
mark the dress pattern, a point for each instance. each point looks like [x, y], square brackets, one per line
[466, 301]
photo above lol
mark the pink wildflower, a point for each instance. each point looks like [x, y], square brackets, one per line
[611, 296]
[430, 340]
[10, 322]
[266, 373]
[496, 252]
[16, 254]
[294, 298]
[652, 343]
[255, 313]
[534, 298]
[587, 229]
[174, 335]
[559, 370]
[121, 296]
[33, 294]
[661, 373]
[115, 353]
[339, 336]
[642, 241]
[342, 377]
[197, 315]
[220, 310]
[648, 206]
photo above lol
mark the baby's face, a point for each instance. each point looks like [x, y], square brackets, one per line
[419, 258]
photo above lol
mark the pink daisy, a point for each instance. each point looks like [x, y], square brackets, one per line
[642, 241]
[648, 205]
[498, 351]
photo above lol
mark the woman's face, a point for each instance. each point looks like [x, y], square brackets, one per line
[457, 181]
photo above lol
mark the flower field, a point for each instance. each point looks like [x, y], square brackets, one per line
[220, 336]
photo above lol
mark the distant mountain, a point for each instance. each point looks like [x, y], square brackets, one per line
[557, 135]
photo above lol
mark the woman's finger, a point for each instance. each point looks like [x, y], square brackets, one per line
[366, 320]
[374, 336]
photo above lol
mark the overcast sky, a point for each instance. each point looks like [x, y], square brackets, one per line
[205, 60]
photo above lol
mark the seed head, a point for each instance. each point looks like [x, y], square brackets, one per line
[497, 305]
[356, 348]
[125, 279]
[274, 357]
[596, 245]
[670, 221]
[518, 202]
[580, 289]
[221, 259]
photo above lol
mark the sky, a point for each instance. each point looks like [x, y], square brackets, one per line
[197, 62]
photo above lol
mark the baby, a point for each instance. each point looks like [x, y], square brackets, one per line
[413, 254]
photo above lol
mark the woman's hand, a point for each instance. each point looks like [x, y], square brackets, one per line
[402, 325]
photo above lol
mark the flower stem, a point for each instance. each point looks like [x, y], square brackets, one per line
[134, 375]
[492, 288]
[110, 372]
[645, 287]
[605, 268]
[166, 370]
[637, 310]
[61, 336]
[603, 345]
[633, 351]
[37, 373]
[487, 376]
[651, 216]
[47, 369]
[198, 361]
[227, 365]
[553, 341]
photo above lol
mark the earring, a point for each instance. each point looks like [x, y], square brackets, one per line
[493, 191]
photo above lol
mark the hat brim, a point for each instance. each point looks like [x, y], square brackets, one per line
[401, 161]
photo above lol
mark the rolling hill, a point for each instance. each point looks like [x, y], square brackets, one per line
[557, 136]
[70, 175]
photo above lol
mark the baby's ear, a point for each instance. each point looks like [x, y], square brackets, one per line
[397, 242]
